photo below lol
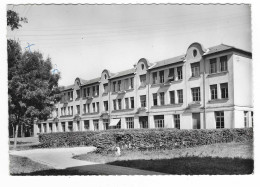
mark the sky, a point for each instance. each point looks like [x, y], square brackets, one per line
[83, 40]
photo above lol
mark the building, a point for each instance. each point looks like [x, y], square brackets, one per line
[203, 89]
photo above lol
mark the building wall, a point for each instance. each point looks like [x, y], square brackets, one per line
[238, 102]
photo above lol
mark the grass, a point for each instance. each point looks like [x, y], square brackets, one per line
[22, 165]
[224, 158]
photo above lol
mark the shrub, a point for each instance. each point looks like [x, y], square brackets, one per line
[146, 139]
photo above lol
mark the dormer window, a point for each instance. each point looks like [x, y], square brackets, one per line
[142, 66]
[195, 53]
[105, 76]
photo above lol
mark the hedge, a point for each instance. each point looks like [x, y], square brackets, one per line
[146, 139]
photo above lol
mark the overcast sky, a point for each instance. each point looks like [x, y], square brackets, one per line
[83, 40]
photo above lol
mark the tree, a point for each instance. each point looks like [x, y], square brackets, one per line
[32, 88]
[13, 20]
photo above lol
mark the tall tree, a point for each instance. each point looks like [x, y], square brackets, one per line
[32, 87]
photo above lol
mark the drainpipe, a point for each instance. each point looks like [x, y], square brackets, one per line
[204, 94]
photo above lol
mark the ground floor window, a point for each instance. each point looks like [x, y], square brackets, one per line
[86, 124]
[78, 125]
[63, 127]
[39, 128]
[246, 118]
[176, 119]
[118, 126]
[252, 118]
[159, 121]
[219, 115]
[129, 123]
[95, 123]
[70, 126]
[106, 124]
[143, 121]
[57, 127]
[44, 127]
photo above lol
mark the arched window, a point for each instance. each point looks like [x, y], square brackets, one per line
[195, 52]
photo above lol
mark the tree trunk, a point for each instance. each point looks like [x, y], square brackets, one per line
[16, 134]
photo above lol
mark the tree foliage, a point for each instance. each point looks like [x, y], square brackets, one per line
[13, 20]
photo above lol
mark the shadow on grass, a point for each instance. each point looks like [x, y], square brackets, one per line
[193, 165]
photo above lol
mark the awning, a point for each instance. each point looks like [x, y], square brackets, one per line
[113, 122]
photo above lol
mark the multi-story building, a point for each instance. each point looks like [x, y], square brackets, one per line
[203, 89]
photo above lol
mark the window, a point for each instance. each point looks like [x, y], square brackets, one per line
[106, 105]
[224, 90]
[63, 126]
[172, 97]
[94, 107]
[78, 109]
[114, 86]
[143, 100]
[50, 127]
[142, 66]
[97, 106]
[106, 124]
[84, 108]
[176, 119]
[154, 77]
[97, 90]
[88, 91]
[94, 91]
[159, 121]
[105, 76]
[129, 123]
[71, 108]
[70, 95]
[126, 84]
[155, 99]
[161, 76]
[70, 126]
[213, 91]
[86, 124]
[180, 96]
[119, 85]
[95, 123]
[119, 104]
[223, 63]
[195, 69]
[252, 118]
[195, 94]
[84, 92]
[105, 88]
[142, 80]
[132, 102]
[179, 73]
[195, 52]
[246, 119]
[131, 83]
[162, 98]
[78, 94]
[118, 126]
[219, 115]
[213, 65]
[126, 103]
[114, 104]
[88, 107]
[171, 74]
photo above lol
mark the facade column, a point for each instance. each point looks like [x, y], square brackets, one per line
[136, 122]
[35, 129]
[91, 125]
[168, 121]
[81, 123]
[151, 122]
[59, 127]
[100, 124]
[249, 118]
[42, 128]
[123, 123]
[66, 126]
[74, 127]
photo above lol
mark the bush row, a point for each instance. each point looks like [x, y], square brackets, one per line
[146, 139]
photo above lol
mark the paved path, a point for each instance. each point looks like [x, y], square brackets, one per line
[61, 158]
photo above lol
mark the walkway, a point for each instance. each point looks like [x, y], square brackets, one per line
[61, 158]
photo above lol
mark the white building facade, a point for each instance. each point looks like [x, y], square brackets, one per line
[203, 89]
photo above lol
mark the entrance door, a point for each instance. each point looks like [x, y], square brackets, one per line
[196, 120]
[143, 121]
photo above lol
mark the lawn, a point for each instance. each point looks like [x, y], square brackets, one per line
[225, 158]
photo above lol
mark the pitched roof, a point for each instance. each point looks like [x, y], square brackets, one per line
[168, 61]
[67, 87]
[91, 81]
[220, 48]
[123, 73]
